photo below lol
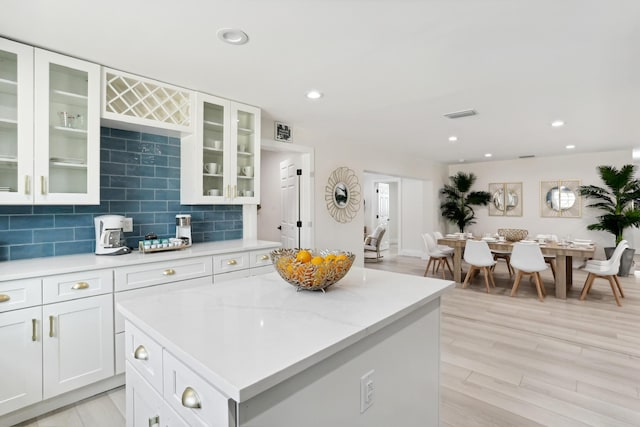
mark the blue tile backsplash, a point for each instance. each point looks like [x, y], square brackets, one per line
[139, 178]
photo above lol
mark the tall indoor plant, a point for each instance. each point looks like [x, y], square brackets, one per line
[459, 199]
[618, 201]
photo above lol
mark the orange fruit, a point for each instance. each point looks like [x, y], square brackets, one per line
[329, 258]
[317, 260]
[341, 257]
[303, 256]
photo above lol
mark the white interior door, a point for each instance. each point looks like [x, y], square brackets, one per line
[382, 214]
[288, 204]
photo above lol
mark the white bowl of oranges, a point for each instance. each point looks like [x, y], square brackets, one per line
[311, 270]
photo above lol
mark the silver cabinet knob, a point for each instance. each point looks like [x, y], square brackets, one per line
[141, 353]
[190, 399]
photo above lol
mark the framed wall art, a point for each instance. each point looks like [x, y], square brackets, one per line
[282, 132]
[560, 199]
[506, 199]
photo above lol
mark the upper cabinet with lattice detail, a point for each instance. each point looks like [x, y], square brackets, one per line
[140, 101]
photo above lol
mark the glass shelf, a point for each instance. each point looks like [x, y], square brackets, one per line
[7, 123]
[245, 153]
[215, 175]
[213, 125]
[69, 98]
[244, 131]
[8, 86]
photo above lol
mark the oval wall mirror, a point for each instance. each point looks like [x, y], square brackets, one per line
[560, 198]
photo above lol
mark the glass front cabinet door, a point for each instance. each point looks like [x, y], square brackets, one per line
[221, 160]
[67, 130]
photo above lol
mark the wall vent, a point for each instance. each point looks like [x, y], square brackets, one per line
[528, 156]
[460, 114]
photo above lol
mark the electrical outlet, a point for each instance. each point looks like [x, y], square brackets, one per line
[367, 391]
[127, 225]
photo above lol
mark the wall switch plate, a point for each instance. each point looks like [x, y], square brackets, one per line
[127, 225]
[367, 391]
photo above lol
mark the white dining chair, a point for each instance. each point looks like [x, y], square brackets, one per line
[478, 255]
[436, 256]
[528, 260]
[444, 248]
[605, 269]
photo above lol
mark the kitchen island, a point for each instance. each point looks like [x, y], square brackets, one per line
[254, 352]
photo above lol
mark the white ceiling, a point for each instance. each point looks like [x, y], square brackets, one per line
[389, 69]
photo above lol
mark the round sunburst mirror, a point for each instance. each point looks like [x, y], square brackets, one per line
[343, 194]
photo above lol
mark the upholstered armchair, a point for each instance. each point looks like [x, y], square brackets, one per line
[372, 245]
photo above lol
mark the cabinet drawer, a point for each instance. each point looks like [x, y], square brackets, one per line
[145, 355]
[156, 273]
[66, 287]
[263, 270]
[153, 290]
[20, 294]
[230, 262]
[208, 406]
[260, 258]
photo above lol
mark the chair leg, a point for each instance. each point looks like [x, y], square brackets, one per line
[615, 277]
[613, 289]
[516, 283]
[552, 264]
[446, 261]
[539, 286]
[493, 283]
[468, 276]
[487, 273]
[587, 285]
[441, 264]
[426, 271]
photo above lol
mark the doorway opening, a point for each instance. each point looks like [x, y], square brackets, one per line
[286, 197]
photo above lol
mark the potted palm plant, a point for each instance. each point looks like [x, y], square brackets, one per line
[459, 200]
[618, 200]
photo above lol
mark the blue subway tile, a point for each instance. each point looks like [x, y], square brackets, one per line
[164, 217]
[105, 155]
[173, 184]
[105, 180]
[153, 183]
[232, 235]
[159, 229]
[132, 242]
[31, 251]
[197, 216]
[145, 218]
[232, 216]
[137, 194]
[174, 141]
[105, 131]
[167, 172]
[167, 195]
[102, 208]
[77, 220]
[237, 225]
[200, 227]
[197, 237]
[214, 237]
[84, 233]
[24, 222]
[16, 210]
[141, 147]
[53, 235]
[152, 159]
[154, 138]
[175, 206]
[137, 170]
[80, 247]
[8, 238]
[50, 209]
[214, 216]
[125, 157]
[153, 206]
[4, 253]
[113, 168]
[127, 207]
[108, 143]
[126, 134]
[108, 194]
[171, 150]
[125, 182]
[4, 222]
[173, 162]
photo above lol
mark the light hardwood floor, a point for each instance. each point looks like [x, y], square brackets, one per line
[505, 361]
[520, 362]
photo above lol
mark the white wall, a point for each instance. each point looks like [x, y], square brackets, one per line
[530, 172]
[269, 215]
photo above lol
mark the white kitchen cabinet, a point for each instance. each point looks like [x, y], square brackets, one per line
[78, 343]
[49, 149]
[128, 98]
[21, 356]
[220, 162]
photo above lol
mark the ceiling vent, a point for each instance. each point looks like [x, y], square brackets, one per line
[528, 156]
[460, 114]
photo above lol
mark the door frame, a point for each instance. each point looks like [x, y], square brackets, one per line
[307, 196]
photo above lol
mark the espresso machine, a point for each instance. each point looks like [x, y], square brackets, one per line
[109, 235]
[183, 228]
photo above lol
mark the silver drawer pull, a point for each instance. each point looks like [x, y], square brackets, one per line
[190, 399]
[169, 272]
[264, 257]
[4, 298]
[141, 353]
[232, 262]
[34, 325]
[51, 326]
[80, 285]
[154, 421]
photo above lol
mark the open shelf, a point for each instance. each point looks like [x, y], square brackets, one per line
[8, 86]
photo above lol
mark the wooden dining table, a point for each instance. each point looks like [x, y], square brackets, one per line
[564, 259]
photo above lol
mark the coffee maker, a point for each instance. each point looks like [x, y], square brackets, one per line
[183, 228]
[109, 235]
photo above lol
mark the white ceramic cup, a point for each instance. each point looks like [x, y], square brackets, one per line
[247, 170]
[211, 168]
[217, 144]
[214, 192]
[241, 147]
[248, 193]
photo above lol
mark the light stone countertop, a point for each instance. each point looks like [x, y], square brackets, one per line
[36, 267]
[245, 336]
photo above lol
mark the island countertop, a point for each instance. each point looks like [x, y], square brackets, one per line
[245, 336]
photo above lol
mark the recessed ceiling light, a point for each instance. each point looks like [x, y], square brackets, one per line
[453, 138]
[557, 123]
[570, 147]
[233, 36]
[488, 155]
[314, 94]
